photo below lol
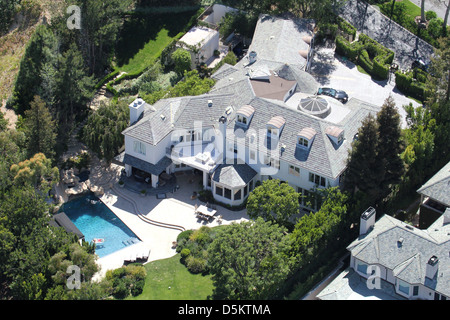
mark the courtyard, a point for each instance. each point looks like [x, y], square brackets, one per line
[332, 70]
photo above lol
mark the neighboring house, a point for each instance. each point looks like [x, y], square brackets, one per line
[201, 42]
[411, 263]
[213, 15]
[435, 197]
[260, 121]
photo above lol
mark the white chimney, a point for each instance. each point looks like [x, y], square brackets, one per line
[136, 109]
[367, 220]
[223, 132]
[432, 267]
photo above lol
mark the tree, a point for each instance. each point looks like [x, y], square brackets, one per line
[273, 201]
[40, 129]
[75, 88]
[182, 60]
[39, 51]
[389, 147]
[37, 172]
[316, 232]
[362, 166]
[103, 130]
[248, 260]
[100, 25]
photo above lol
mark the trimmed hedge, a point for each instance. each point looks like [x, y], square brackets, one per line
[369, 54]
[406, 83]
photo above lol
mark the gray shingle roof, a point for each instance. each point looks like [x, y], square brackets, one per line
[234, 175]
[407, 259]
[438, 187]
[155, 169]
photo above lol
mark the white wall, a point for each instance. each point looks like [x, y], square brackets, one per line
[218, 13]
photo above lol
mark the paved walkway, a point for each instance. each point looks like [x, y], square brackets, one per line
[368, 20]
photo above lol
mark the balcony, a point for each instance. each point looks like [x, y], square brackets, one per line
[203, 156]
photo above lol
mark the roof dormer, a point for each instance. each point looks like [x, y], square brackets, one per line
[335, 134]
[306, 137]
[275, 126]
[244, 115]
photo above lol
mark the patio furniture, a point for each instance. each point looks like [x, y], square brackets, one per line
[205, 212]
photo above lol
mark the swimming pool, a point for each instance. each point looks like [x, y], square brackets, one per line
[96, 221]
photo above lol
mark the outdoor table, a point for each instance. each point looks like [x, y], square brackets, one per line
[205, 211]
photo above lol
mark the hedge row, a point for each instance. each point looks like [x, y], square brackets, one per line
[410, 86]
[369, 54]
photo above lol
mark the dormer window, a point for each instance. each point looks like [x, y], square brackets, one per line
[335, 134]
[275, 126]
[244, 115]
[303, 142]
[305, 137]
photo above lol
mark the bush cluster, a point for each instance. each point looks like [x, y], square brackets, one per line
[192, 246]
[412, 83]
[128, 280]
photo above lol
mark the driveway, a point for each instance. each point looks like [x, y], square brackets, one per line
[368, 20]
[331, 70]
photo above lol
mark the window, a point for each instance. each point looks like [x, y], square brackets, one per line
[415, 290]
[303, 142]
[245, 191]
[361, 267]
[227, 193]
[274, 163]
[294, 170]
[318, 180]
[242, 119]
[250, 186]
[139, 147]
[272, 132]
[219, 191]
[252, 155]
[191, 135]
[403, 287]
[237, 194]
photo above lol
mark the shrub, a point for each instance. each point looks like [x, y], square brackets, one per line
[430, 15]
[196, 265]
[185, 253]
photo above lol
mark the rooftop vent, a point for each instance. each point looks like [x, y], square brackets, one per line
[252, 57]
[210, 103]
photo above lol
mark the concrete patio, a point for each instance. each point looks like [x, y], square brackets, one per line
[177, 208]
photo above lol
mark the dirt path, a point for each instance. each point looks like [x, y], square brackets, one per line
[10, 115]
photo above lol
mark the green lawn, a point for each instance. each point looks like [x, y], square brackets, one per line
[144, 37]
[184, 285]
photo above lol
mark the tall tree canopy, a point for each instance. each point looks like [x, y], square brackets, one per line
[248, 260]
[273, 201]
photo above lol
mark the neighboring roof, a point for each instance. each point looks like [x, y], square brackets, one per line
[281, 38]
[406, 250]
[438, 187]
[155, 169]
[197, 35]
[234, 175]
[62, 220]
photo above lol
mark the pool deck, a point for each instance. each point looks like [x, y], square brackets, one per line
[177, 208]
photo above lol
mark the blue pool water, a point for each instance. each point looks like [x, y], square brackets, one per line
[95, 220]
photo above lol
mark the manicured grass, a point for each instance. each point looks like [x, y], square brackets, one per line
[411, 9]
[144, 37]
[184, 285]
